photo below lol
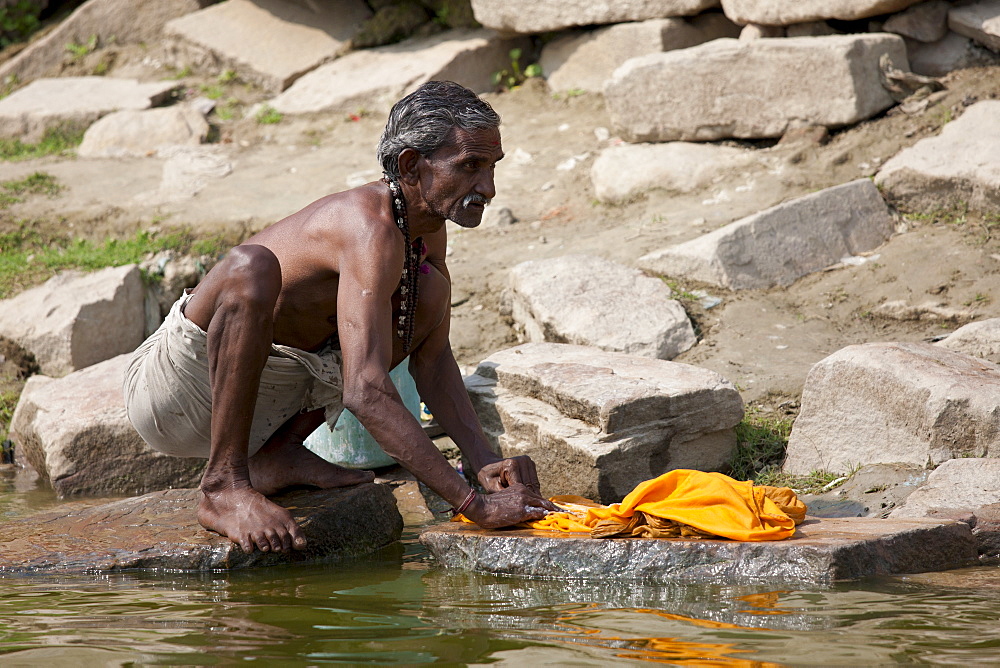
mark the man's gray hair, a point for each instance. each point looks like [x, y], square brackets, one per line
[423, 120]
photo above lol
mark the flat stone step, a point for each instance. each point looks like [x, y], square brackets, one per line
[74, 103]
[268, 42]
[160, 531]
[822, 551]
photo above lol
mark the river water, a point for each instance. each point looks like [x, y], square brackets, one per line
[399, 608]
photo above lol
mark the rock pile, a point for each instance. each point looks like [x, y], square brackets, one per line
[597, 423]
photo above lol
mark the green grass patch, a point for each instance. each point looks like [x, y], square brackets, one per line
[269, 115]
[56, 141]
[28, 258]
[8, 401]
[39, 183]
[212, 91]
[79, 50]
[761, 442]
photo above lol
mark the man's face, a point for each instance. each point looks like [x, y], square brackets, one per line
[459, 180]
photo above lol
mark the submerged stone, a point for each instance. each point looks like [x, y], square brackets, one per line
[160, 531]
[822, 551]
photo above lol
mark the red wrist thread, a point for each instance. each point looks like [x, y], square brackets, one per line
[465, 504]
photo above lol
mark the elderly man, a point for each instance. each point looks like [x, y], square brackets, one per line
[308, 316]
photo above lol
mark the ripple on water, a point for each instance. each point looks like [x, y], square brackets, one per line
[397, 608]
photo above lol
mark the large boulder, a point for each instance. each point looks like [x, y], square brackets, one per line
[783, 13]
[74, 103]
[160, 531]
[912, 403]
[959, 167]
[74, 432]
[979, 339]
[269, 42]
[117, 21]
[590, 301]
[626, 170]
[597, 423]
[779, 245]
[378, 77]
[584, 60]
[75, 319]
[753, 89]
[979, 21]
[537, 16]
[138, 134]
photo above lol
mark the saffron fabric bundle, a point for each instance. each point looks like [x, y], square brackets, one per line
[687, 504]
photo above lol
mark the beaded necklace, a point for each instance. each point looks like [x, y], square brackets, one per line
[409, 284]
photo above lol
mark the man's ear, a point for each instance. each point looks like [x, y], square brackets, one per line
[408, 161]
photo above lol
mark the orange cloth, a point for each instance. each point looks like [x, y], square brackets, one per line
[685, 503]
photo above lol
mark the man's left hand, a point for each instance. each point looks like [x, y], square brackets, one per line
[506, 472]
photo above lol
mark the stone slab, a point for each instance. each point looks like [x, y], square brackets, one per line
[74, 432]
[782, 12]
[76, 319]
[537, 16]
[716, 90]
[913, 403]
[979, 21]
[624, 171]
[822, 551]
[590, 301]
[626, 392]
[268, 42]
[959, 167]
[74, 102]
[160, 531]
[376, 78]
[779, 245]
[584, 60]
[960, 484]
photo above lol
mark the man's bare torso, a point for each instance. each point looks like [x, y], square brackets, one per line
[307, 245]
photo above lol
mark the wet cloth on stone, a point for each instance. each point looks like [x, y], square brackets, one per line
[168, 397]
[684, 504]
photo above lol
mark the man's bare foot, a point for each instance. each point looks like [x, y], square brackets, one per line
[280, 464]
[248, 519]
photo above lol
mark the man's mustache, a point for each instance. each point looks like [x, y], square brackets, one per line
[475, 198]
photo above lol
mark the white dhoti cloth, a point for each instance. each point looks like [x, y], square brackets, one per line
[168, 397]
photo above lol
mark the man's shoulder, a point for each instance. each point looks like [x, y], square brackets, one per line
[359, 216]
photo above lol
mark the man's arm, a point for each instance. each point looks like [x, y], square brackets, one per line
[441, 387]
[369, 273]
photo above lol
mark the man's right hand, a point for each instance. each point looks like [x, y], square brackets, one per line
[512, 505]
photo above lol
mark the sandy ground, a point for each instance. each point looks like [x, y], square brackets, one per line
[764, 341]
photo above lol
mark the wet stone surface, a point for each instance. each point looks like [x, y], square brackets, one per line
[160, 531]
[822, 551]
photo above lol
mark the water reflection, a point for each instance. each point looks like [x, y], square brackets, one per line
[397, 608]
